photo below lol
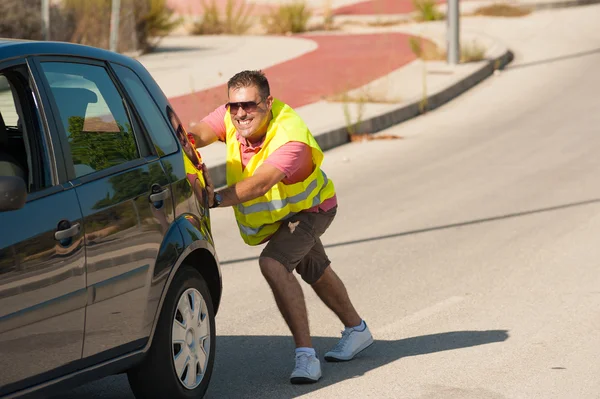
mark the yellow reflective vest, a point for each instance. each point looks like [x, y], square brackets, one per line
[259, 218]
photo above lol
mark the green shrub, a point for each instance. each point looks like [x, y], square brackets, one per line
[427, 10]
[158, 21]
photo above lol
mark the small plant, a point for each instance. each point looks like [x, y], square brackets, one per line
[361, 99]
[502, 10]
[328, 23]
[427, 10]
[417, 47]
[351, 127]
[236, 20]
[287, 18]
[472, 52]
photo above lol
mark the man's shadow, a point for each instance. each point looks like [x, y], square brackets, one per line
[259, 366]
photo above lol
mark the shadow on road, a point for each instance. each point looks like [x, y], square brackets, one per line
[443, 227]
[259, 366]
[553, 59]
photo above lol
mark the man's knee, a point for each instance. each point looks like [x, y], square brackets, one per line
[271, 269]
[311, 272]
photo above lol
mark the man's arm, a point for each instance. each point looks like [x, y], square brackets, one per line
[265, 177]
[211, 128]
[203, 134]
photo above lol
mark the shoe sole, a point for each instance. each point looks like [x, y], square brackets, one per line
[364, 346]
[303, 380]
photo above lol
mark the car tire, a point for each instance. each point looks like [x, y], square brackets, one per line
[181, 342]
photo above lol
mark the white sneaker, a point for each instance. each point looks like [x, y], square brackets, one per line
[307, 370]
[350, 345]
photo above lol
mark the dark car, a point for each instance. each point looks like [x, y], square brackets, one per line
[107, 262]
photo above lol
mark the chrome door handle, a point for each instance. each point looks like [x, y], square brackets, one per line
[160, 196]
[67, 233]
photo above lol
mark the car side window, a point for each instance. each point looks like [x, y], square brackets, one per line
[93, 115]
[24, 147]
[151, 115]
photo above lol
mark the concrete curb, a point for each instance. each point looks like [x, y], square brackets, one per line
[339, 136]
[378, 123]
[560, 4]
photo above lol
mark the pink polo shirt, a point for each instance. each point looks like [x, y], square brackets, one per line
[294, 159]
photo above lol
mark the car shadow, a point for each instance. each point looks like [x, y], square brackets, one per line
[259, 366]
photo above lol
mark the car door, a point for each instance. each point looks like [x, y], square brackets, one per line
[42, 260]
[125, 198]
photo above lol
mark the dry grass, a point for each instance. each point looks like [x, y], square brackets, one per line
[429, 51]
[287, 18]
[235, 21]
[472, 52]
[386, 23]
[426, 50]
[364, 96]
[328, 17]
[142, 23]
[502, 10]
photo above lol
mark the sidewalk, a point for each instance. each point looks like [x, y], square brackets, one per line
[306, 71]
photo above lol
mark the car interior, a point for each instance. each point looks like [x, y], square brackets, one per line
[9, 165]
[21, 144]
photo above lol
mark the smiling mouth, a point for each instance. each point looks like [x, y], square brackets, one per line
[244, 122]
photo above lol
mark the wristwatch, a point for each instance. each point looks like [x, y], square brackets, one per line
[217, 199]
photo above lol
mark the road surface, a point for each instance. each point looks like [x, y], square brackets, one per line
[470, 246]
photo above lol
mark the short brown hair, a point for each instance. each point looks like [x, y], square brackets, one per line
[250, 78]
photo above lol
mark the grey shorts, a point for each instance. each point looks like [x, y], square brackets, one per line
[297, 244]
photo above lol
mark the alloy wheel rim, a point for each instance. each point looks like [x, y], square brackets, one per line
[190, 338]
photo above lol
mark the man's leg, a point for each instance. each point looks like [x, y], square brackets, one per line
[285, 250]
[333, 293]
[316, 270]
[289, 298]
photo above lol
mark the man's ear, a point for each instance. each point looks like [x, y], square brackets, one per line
[269, 102]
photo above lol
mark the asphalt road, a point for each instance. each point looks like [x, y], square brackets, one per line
[469, 246]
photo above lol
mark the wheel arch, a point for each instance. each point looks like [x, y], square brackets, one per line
[200, 254]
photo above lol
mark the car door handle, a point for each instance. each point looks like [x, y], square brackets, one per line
[160, 196]
[67, 233]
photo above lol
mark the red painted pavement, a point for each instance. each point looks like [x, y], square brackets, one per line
[374, 7]
[340, 63]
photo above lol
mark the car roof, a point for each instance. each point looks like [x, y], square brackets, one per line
[12, 48]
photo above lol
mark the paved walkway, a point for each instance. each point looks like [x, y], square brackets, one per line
[261, 7]
[375, 7]
[339, 63]
[306, 69]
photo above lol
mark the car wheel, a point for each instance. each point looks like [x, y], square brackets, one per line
[180, 361]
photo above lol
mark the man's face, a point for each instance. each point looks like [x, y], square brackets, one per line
[249, 112]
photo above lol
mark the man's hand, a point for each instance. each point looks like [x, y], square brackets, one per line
[265, 177]
[210, 187]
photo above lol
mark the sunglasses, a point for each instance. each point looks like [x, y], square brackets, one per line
[247, 106]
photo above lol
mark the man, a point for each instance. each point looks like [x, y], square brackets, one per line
[281, 197]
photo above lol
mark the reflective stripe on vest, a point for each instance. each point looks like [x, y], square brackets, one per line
[278, 204]
[256, 230]
[259, 218]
